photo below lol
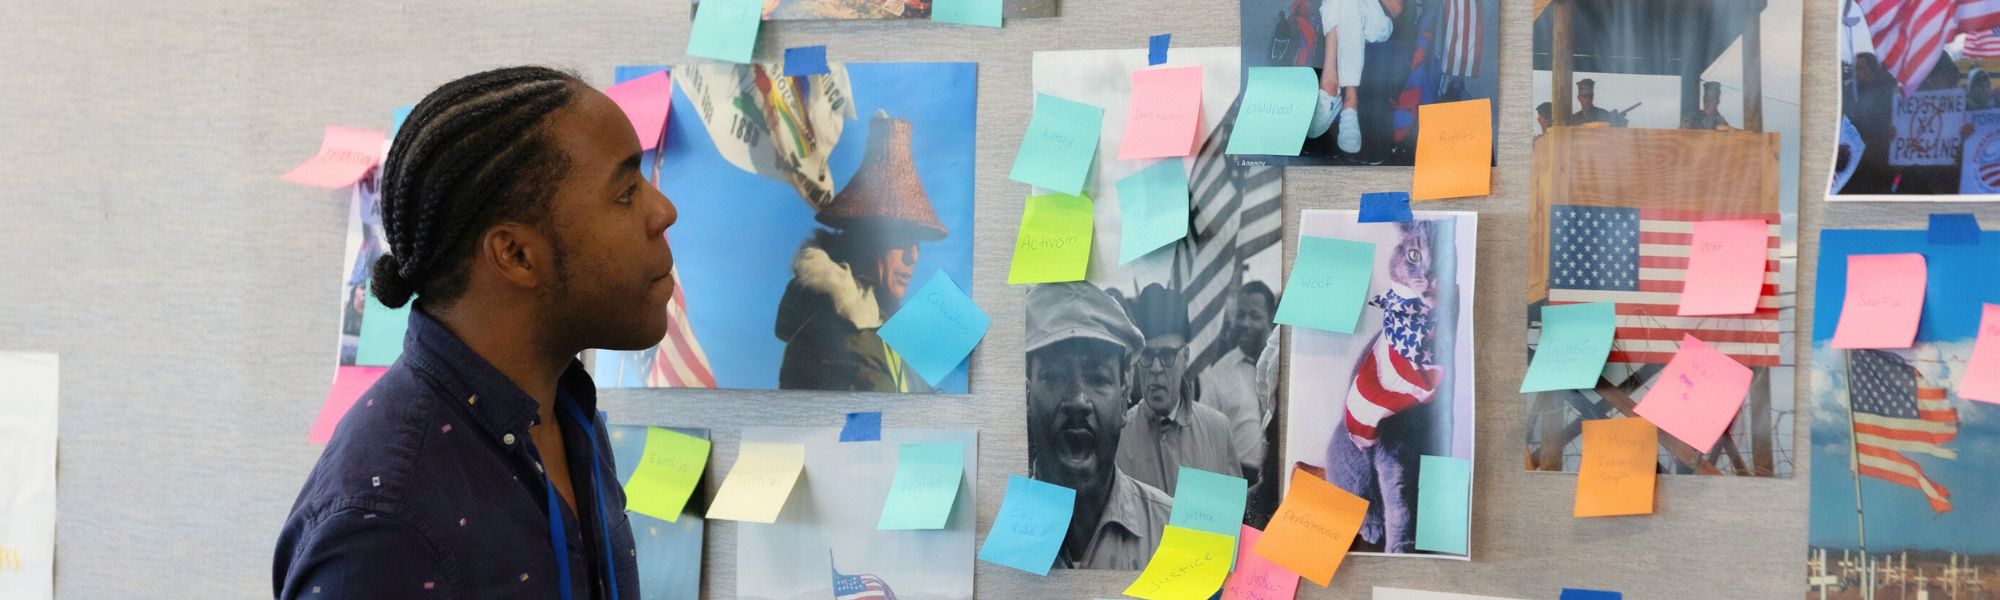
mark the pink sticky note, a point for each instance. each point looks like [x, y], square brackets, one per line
[646, 101]
[1725, 273]
[1982, 371]
[345, 154]
[348, 385]
[1257, 578]
[1697, 395]
[1164, 117]
[1885, 298]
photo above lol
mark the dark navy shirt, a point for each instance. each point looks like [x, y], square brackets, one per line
[431, 488]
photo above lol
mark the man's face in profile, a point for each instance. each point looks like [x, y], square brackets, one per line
[1076, 401]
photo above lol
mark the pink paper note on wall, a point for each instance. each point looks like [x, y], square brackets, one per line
[348, 385]
[1697, 395]
[1164, 118]
[1982, 371]
[345, 154]
[1725, 273]
[1885, 298]
[646, 101]
[1256, 577]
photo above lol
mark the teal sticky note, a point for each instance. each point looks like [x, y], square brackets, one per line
[726, 29]
[1575, 341]
[1060, 145]
[1033, 520]
[1210, 502]
[1152, 209]
[936, 328]
[1277, 110]
[1328, 284]
[382, 331]
[984, 13]
[1444, 496]
[925, 487]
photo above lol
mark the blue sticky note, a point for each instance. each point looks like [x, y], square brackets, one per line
[936, 328]
[1156, 52]
[397, 118]
[984, 13]
[1385, 207]
[1954, 229]
[382, 329]
[1329, 281]
[1575, 594]
[1033, 520]
[1276, 111]
[1444, 496]
[726, 29]
[1210, 502]
[1575, 341]
[1152, 209]
[805, 60]
[862, 427]
[925, 487]
[1060, 145]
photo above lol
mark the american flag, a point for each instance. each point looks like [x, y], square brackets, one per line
[1461, 38]
[679, 361]
[1896, 411]
[1398, 371]
[1984, 43]
[860, 587]
[1238, 214]
[1910, 34]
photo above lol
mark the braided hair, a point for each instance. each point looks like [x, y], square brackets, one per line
[473, 153]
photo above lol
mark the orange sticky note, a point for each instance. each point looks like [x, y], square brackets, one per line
[1164, 117]
[1725, 272]
[1982, 371]
[1618, 469]
[646, 102]
[345, 154]
[1454, 150]
[1312, 529]
[1697, 395]
[1885, 298]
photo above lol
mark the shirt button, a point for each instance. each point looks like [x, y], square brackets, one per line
[538, 468]
[507, 439]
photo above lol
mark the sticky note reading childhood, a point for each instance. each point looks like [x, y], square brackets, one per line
[1313, 528]
[1576, 594]
[1575, 341]
[806, 60]
[1164, 118]
[1059, 146]
[1054, 244]
[726, 29]
[862, 427]
[1982, 371]
[1210, 502]
[1618, 470]
[667, 474]
[1152, 209]
[925, 487]
[345, 154]
[984, 13]
[1276, 111]
[1385, 207]
[936, 328]
[1033, 520]
[1329, 281]
[1725, 273]
[756, 488]
[1454, 150]
[382, 330]
[1697, 395]
[1444, 495]
[1255, 577]
[349, 383]
[1885, 299]
[646, 102]
[1190, 564]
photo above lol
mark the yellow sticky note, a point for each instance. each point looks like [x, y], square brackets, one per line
[1054, 244]
[760, 482]
[1454, 150]
[1190, 564]
[1313, 528]
[667, 473]
[1619, 468]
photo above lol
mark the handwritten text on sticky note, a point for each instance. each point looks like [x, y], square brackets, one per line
[1575, 341]
[1697, 395]
[1885, 300]
[1619, 467]
[984, 13]
[1255, 577]
[1210, 502]
[1164, 118]
[1054, 244]
[925, 486]
[1060, 145]
[1152, 209]
[1725, 273]
[1276, 111]
[1444, 497]
[1454, 150]
[1034, 518]
[668, 472]
[758, 485]
[726, 29]
[1190, 564]
[1314, 526]
[1328, 284]
[936, 328]
[1982, 371]
[345, 154]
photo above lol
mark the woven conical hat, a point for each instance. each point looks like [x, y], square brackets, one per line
[885, 191]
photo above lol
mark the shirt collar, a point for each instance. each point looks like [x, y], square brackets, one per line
[1124, 507]
[494, 401]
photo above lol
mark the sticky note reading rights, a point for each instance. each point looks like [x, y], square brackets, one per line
[1060, 145]
[1034, 518]
[1190, 564]
[1619, 468]
[1575, 341]
[1164, 117]
[925, 486]
[668, 472]
[1328, 284]
[1885, 300]
[1054, 244]
[1982, 371]
[1152, 209]
[1697, 395]
[1725, 273]
[1314, 526]
[1276, 111]
[1454, 150]
[757, 487]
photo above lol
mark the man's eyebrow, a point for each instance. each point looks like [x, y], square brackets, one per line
[630, 164]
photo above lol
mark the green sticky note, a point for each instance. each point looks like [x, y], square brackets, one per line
[668, 471]
[1575, 341]
[1210, 502]
[1277, 110]
[382, 331]
[1060, 145]
[726, 29]
[926, 485]
[984, 13]
[1152, 209]
[1444, 496]
[1328, 284]
[1054, 244]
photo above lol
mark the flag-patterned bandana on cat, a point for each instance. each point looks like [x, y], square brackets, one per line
[1398, 371]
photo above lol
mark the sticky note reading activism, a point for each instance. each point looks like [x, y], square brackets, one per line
[1313, 528]
[349, 383]
[756, 488]
[1982, 371]
[1328, 284]
[1454, 150]
[1164, 118]
[936, 328]
[1697, 395]
[1060, 145]
[805, 61]
[1725, 273]
[1190, 564]
[646, 102]
[925, 487]
[1276, 111]
[1385, 207]
[1033, 520]
[1575, 341]
[726, 29]
[1576, 594]
[1618, 470]
[1210, 502]
[1054, 244]
[862, 427]
[1885, 299]
[667, 474]
[984, 13]
[382, 329]
[1382, 593]
[1152, 209]
[1444, 496]
[345, 154]
[1255, 577]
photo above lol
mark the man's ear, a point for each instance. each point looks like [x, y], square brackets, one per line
[516, 252]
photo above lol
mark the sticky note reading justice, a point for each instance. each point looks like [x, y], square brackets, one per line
[1328, 283]
[925, 486]
[1697, 395]
[1276, 111]
[936, 328]
[757, 486]
[1313, 528]
[1033, 520]
[1575, 341]
[1060, 145]
[1152, 209]
[1618, 470]
[646, 102]
[984, 13]
[1444, 494]
[1190, 564]
[726, 29]
[345, 154]
[1725, 273]
[667, 474]
[1255, 577]
[1885, 300]
[1454, 150]
[1054, 244]
[1164, 118]
[1982, 371]
[1210, 502]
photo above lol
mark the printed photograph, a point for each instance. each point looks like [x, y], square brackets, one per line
[669, 552]
[848, 10]
[1919, 114]
[365, 243]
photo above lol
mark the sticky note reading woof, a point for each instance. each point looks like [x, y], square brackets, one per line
[1328, 283]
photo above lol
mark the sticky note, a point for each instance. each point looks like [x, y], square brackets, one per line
[1725, 273]
[1454, 150]
[756, 488]
[1152, 209]
[397, 117]
[862, 427]
[925, 486]
[1210, 502]
[1060, 145]
[1697, 395]
[1275, 112]
[806, 60]
[936, 328]
[1156, 48]
[1576, 594]
[1382, 593]
[1956, 229]
[349, 383]
[1255, 577]
[984, 13]
[1982, 371]
[726, 29]
[646, 102]
[1575, 341]
[1314, 526]
[1054, 243]
[668, 472]
[345, 154]
[1618, 470]
[382, 329]
[1190, 564]
[1885, 299]
[1385, 207]
[1328, 283]
[1164, 117]
[1033, 520]
[1444, 497]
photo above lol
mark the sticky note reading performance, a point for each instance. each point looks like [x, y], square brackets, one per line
[1033, 520]
[1314, 526]
[1277, 109]
[1454, 150]
[1054, 244]
[668, 472]
[936, 328]
[1575, 341]
[345, 154]
[1619, 468]
[1725, 273]
[1255, 577]
[1697, 395]
[1328, 284]
[1190, 564]
[1885, 300]
[1060, 145]
[756, 488]
[925, 486]
[1164, 118]
[1152, 209]
[1982, 371]
[726, 29]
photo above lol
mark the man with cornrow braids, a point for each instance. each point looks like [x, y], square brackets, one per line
[518, 223]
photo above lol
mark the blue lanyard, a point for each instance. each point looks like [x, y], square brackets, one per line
[558, 537]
